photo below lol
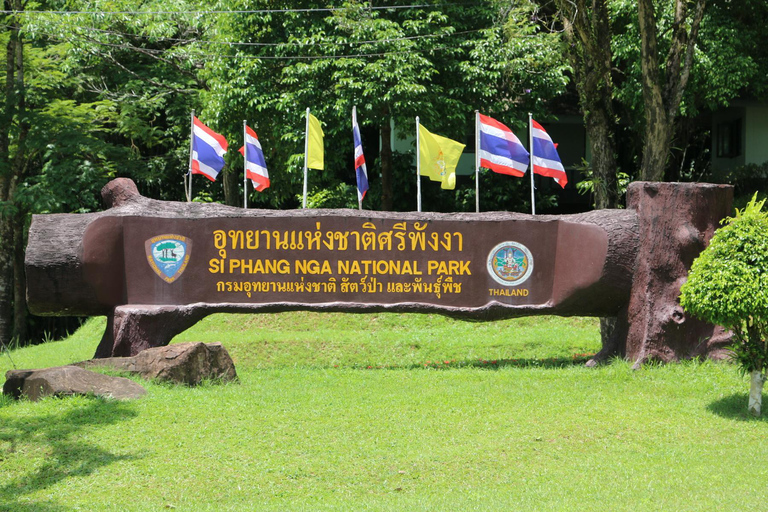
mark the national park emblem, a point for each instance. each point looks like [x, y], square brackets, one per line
[510, 263]
[168, 255]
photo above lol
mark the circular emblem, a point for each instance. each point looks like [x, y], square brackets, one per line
[510, 263]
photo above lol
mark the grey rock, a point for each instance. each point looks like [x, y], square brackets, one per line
[181, 363]
[67, 381]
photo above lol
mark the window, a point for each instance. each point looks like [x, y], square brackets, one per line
[729, 139]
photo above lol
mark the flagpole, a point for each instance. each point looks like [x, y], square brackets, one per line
[530, 145]
[354, 122]
[418, 168]
[245, 166]
[306, 150]
[477, 161]
[188, 191]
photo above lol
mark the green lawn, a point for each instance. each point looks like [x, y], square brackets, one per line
[509, 423]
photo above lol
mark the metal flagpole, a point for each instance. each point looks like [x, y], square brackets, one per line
[188, 186]
[354, 123]
[477, 161]
[245, 165]
[530, 145]
[306, 149]
[418, 168]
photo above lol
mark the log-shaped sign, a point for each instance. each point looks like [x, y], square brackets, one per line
[157, 267]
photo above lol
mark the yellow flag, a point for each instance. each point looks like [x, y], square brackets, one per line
[438, 157]
[315, 144]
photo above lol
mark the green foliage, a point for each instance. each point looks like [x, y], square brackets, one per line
[591, 182]
[723, 72]
[728, 284]
[440, 62]
[341, 196]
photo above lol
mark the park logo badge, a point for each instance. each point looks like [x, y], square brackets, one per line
[510, 263]
[168, 255]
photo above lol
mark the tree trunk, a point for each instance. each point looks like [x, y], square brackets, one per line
[6, 280]
[385, 155]
[13, 96]
[663, 92]
[587, 30]
[654, 148]
[658, 143]
[230, 184]
[20, 315]
[603, 146]
[756, 381]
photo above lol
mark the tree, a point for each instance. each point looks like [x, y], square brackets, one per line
[13, 135]
[612, 72]
[440, 62]
[55, 153]
[728, 286]
[664, 78]
[588, 35]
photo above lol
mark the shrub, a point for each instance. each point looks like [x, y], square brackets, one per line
[728, 286]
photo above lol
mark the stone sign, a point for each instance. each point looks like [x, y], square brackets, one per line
[154, 268]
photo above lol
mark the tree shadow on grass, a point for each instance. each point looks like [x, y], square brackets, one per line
[57, 436]
[734, 407]
[496, 364]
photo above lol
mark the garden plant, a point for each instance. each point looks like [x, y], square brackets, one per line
[728, 286]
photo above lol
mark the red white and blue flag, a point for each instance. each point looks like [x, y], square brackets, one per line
[208, 148]
[546, 161]
[361, 172]
[500, 150]
[255, 165]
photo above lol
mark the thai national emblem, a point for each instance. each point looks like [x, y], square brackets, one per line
[510, 263]
[438, 167]
[168, 255]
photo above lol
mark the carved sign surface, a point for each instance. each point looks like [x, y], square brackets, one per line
[311, 260]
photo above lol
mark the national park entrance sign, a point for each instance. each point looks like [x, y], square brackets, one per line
[155, 268]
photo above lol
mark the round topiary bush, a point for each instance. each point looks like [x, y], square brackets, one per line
[728, 286]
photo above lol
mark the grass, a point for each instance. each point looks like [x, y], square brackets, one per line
[311, 427]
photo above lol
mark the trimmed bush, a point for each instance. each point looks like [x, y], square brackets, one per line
[728, 285]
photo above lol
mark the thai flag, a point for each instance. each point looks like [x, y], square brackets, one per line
[546, 161]
[255, 165]
[208, 148]
[360, 170]
[500, 150]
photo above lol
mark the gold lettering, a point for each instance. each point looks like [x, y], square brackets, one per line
[216, 266]
[507, 292]
[385, 267]
[301, 266]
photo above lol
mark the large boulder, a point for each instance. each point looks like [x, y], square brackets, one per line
[181, 363]
[67, 381]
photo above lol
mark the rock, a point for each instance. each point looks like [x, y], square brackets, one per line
[181, 363]
[66, 381]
